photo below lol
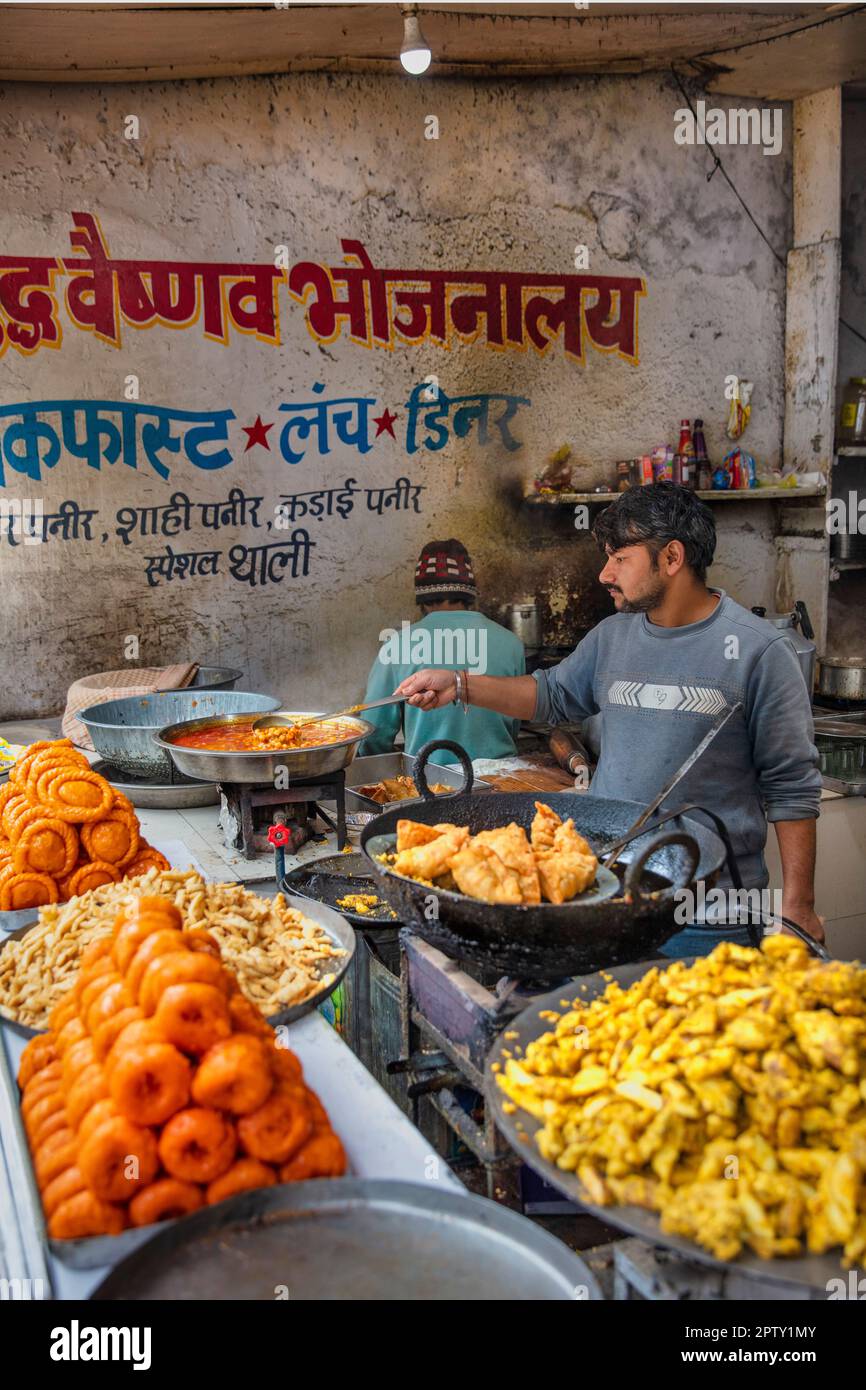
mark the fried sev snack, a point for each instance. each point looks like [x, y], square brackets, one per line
[278, 955]
[729, 1096]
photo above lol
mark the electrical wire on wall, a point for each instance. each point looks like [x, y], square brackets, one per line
[717, 164]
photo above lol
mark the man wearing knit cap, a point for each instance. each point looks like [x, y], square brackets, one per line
[451, 635]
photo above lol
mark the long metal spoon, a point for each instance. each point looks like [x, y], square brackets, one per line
[719, 723]
[285, 721]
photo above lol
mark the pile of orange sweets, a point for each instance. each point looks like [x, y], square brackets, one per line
[159, 1087]
[65, 830]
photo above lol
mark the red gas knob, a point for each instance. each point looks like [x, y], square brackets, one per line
[279, 835]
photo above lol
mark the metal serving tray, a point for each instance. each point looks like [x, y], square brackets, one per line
[353, 1238]
[365, 771]
[334, 923]
[805, 1272]
[95, 1251]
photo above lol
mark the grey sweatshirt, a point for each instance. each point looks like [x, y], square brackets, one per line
[659, 688]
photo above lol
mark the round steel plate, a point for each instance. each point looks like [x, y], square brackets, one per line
[335, 926]
[159, 796]
[806, 1271]
[353, 1239]
[27, 920]
[340, 934]
[328, 879]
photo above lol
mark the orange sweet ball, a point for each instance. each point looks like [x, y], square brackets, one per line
[158, 1088]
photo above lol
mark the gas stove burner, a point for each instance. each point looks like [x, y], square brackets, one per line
[248, 812]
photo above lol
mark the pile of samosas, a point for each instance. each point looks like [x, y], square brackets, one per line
[553, 864]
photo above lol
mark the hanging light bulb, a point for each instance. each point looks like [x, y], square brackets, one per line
[414, 52]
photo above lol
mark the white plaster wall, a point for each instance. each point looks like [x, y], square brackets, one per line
[520, 175]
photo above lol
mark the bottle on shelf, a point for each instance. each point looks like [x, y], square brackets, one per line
[703, 468]
[686, 445]
[852, 421]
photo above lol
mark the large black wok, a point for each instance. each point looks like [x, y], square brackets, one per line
[548, 941]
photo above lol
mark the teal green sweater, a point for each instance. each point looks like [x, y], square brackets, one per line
[471, 641]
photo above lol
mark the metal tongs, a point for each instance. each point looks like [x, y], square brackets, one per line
[719, 723]
[285, 721]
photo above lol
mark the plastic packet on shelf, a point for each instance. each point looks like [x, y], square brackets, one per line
[740, 410]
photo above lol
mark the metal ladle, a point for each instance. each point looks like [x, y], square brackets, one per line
[285, 721]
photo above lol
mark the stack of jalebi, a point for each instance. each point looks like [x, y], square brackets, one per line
[160, 1087]
[65, 830]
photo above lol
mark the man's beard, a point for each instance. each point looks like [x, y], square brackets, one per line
[644, 603]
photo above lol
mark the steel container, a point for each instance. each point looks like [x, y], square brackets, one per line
[122, 730]
[292, 764]
[842, 677]
[215, 678]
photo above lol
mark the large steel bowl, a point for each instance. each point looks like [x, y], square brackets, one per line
[300, 764]
[215, 678]
[122, 730]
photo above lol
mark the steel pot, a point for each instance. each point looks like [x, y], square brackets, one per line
[225, 765]
[524, 620]
[798, 629]
[122, 730]
[842, 677]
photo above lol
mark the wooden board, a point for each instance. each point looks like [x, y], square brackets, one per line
[776, 51]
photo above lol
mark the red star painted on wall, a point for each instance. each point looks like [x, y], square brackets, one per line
[385, 422]
[256, 434]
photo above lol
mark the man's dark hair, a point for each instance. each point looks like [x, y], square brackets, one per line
[653, 516]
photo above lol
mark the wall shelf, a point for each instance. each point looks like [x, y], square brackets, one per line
[756, 494]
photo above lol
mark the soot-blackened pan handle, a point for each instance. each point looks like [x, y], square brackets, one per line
[634, 870]
[816, 947]
[422, 757]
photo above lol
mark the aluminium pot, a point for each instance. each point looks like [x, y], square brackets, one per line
[122, 730]
[292, 764]
[842, 677]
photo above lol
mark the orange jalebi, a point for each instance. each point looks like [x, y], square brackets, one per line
[21, 890]
[114, 839]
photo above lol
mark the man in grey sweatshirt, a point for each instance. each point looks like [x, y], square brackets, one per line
[659, 671]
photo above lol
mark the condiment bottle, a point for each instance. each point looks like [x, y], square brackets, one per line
[622, 475]
[685, 447]
[703, 468]
[852, 421]
[646, 464]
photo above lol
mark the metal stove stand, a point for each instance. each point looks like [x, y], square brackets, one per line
[247, 831]
[449, 1020]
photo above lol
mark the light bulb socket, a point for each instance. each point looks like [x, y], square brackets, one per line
[414, 41]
